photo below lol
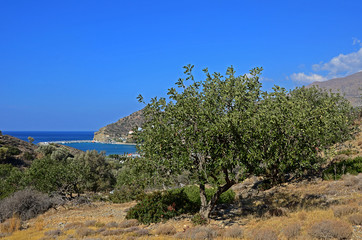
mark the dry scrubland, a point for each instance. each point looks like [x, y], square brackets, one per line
[310, 209]
[323, 209]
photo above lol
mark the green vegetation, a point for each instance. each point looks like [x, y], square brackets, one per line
[10, 178]
[336, 170]
[225, 129]
[160, 206]
[30, 139]
[216, 133]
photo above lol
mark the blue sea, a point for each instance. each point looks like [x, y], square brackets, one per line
[55, 136]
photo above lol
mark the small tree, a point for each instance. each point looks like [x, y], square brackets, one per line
[222, 130]
[30, 139]
[1, 133]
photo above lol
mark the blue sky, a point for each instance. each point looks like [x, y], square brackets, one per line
[79, 65]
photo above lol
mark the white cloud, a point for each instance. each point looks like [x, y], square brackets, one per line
[343, 64]
[356, 41]
[339, 66]
[304, 78]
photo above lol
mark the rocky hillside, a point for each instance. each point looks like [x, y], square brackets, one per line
[119, 129]
[16, 152]
[350, 86]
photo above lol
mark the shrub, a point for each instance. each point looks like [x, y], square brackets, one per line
[328, 229]
[350, 180]
[10, 178]
[53, 233]
[28, 156]
[352, 166]
[292, 230]
[126, 193]
[131, 229]
[97, 171]
[234, 232]
[193, 193]
[112, 232]
[26, 204]
[159, 206]
[264, 234]
[197, 219]
[166, 230]
[111, 225]
[129, 223]
[197, 233]
[89, 223]
[142, 232]
[355, 219]
[83, 232]
[73, 225]
[12, 151]
[340, 211]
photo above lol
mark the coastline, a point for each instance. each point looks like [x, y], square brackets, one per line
[85, 141]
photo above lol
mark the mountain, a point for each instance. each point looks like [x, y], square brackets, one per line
[120, 129]
[350, 86]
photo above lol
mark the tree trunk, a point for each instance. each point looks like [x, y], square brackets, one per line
[207, 207]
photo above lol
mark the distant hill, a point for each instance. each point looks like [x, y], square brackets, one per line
[20, 153]
[350, 87]
[16, 152]
[119, 129]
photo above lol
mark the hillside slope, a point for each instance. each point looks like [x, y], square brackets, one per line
[119, 129]
[16, 151]
[350, 86]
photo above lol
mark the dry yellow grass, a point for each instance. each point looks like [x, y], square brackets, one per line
[11, 225]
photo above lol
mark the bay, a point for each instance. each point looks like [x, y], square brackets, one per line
[66, 138]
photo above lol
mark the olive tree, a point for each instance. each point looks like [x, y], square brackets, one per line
[225, 129]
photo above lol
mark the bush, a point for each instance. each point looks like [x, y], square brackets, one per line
[142, 232]
[129, 223]
[53, 233]
[340, 211]
[166, 230]
[197, 233]
[112, 232]
[111, 225]
[197, 219]
[265, 234]
[73, 225]
[234, 232]
[97, 172]
[292, 230]
[28, 156]
[83, 232]
[10, 178]
[26, 204]
[159, 206]
[12, 151]
[328, 229]
[126, 193]
[355, 219]
[193, 193]
[336, 170]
